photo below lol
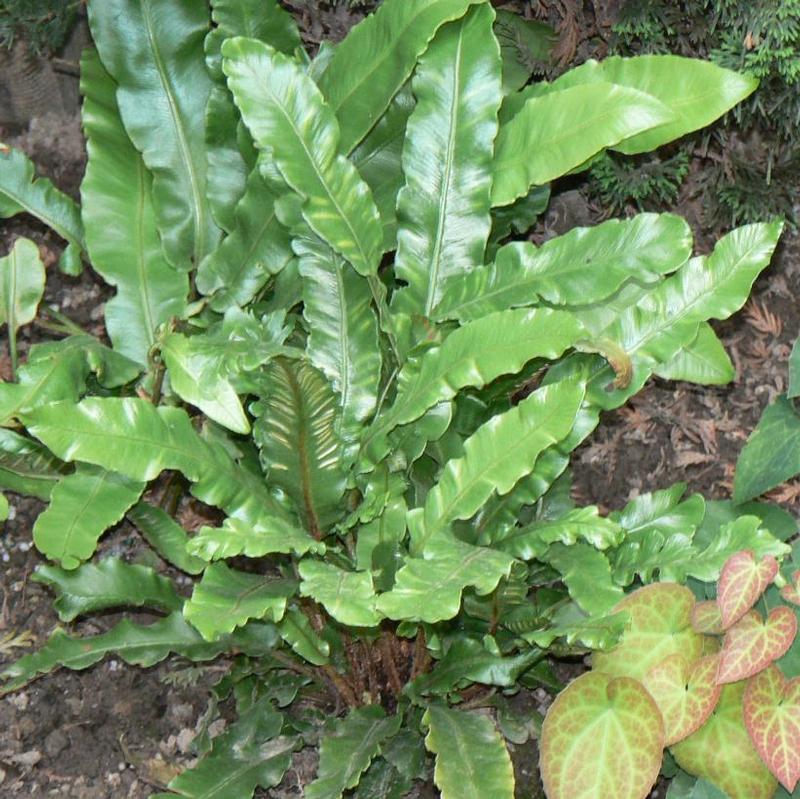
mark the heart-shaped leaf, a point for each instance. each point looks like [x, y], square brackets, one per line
[660, 625]
[772, 718]
[602, 736]
[741, 582]
[686, 695]
[752, 644]
[722, 753]
[791, 592]
[706, 618]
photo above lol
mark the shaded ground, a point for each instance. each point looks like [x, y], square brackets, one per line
[113, 731]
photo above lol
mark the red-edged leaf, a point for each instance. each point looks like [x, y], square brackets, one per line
[706, 618]
[603, 736]
[686, 695]
[660, 625]
[721, 751]
[741, 582]
[772, 718]
[791, 592]
[752, 644]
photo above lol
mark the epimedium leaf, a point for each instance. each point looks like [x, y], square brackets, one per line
[343, 332]
[116, 194]
[347, 751]
[496, 457]
[586, 265]
[256, 248]
[706, 618]
[166, 537]
[21, 288]
[472, 761]
[587, 574]
[660, 625]
[277, 101]
[248, 754]
[741, 582]
[603, 736]
[26, 467]
[772, 717]
[770, 455]
[296, 434]
[373, 62]
[428, 588]
[348, 596]
[686, 694]
[139, 645]
[21, 190]
[196, 379]
[542, 142]
[753, 643]
[791, 591]
[472, 355]
[154, 52]
[225, 599]
[238, 537]
[444, 210]
[704, 361]
[722, 753]
[111, 583]
[83, 505]
[533, 540]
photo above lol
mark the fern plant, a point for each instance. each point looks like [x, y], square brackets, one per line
[322, 330]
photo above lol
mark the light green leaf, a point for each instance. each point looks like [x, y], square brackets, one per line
[278, 102]
[471, 760]
[587, 574]
[225, 599]
[443, 209]
[57, 370]
[256, 248]
[82, 507]
[379, 161]
[428, 588]
[26, 467]
[237, 537]
[296, 630]
[133, 643]
[296, 434]
[111, 583]
[348, 596]
[343, 332]
[472, 355]
[696, 91]
[542, 141]
[533, 540]
[347, 752]
[21, 190]
[771, 454]
[154, 52]
[249, 754]
[703, 361]
[583, 266]
[116, 194]
[166, 536]
[499, 454]
[575, 628]
[21, 287]
[196, 380]
[374, 61]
